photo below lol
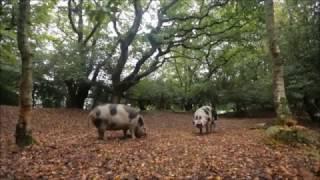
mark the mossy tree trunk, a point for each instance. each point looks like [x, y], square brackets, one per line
[279, 94]
[23, 133]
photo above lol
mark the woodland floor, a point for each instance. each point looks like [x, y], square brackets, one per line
[68, 148]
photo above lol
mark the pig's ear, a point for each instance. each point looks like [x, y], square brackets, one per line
[95, 113]
[140, 121]
[98, 113]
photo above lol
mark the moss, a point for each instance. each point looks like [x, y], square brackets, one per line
[272, 130]
[28, 140]
[284, 107]
[293, 135]
[283, 112]
[314, 153]
[271, 142]
[23, 136]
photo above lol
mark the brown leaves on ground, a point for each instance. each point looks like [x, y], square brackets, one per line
[68, 148]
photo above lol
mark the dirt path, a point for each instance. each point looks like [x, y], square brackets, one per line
[68, 149]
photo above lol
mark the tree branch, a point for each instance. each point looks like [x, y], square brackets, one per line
[164, 9]
[114, 22]
[148, 5]
[155, 64]
[136, 23]
[215, 68]
[93, 31]
[104, 62]
[126, 42]
[80, 22]
[74, 28]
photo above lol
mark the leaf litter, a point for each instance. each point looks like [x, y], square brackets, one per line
[68, 148]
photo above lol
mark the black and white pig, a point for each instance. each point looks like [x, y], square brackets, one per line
[118, 117]
[203, 118]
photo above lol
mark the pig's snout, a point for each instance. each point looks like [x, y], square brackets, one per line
[144, 135]
[199, 125]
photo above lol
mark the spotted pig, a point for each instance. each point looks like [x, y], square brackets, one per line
[203, 118]
[118, 117]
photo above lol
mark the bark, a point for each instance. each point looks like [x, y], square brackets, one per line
[279, 94]
[77, 93]
[23, 134]
[116, 97]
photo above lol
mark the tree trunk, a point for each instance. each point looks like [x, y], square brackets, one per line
[98, 96]
[142, 105]
[118, 90]
[188, 105]
[279, 94]
[116, 96]
[23, 132]
[77, 93]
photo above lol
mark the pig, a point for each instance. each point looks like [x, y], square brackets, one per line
[118, 117]
[203, 118]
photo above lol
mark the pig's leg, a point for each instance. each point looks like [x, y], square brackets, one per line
[200, 130]
[101, 129]
[101, 133]
[125, 133]
[213, 125]
[132, 132]
[207, 127]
